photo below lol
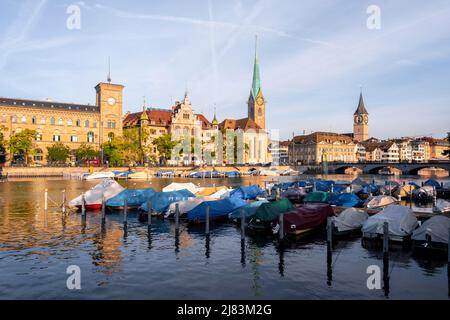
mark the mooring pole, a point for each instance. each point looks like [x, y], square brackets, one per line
[149, 214]
[242, 224]
[63, 206]
[125, 214]
[434, 197]
[46, 200]
[83, 204]
[386, 238]
[177, 217]
[103, 209]
[330, 231]
[390, 189]
[410, 196]
[207, 220]
[281, 225]
[448, 248]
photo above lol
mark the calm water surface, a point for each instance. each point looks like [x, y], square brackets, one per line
[35, 251]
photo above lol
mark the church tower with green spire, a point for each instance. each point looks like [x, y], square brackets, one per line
[256, 101]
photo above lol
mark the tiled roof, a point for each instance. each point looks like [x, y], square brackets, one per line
[205, 122]
[48, 105]
[160, 117]
[317, 137]
[243, 124]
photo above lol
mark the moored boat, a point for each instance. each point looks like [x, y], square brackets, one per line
[100, 175]
[218, 209]
[264, 218]
[433, 234]
[306, 218]
[135, 198]
[108, 188]
[349, 222]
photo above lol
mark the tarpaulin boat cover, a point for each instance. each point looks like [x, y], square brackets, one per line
[270, 211]
[108, 187]
[208, 191]
[160, 201]
[317, 196]
[180, 186]
[345, 200]
[221, 193]
[323, 185]
[339, 187]
[100, 175]
[401, 219]
[447, 185]
[293, 193]
[359, 182]
[370, 188]
[217, 208]
[424, 192]
[307, 216]
[437, 227]
[432, 183]
[186, 205]
[247, 193]
[404, 191]
[135, 197]
[122, 173]
[249, 209]
[379, 201]
[350, 219]
[442, 206]
[233, 174]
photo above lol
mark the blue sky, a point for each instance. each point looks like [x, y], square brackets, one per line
[314, 57]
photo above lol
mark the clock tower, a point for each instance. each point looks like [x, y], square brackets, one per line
[256, 101]
[361, 122]
[109, 100]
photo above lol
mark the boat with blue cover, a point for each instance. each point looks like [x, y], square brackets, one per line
[135, 198]
[218, 209]
[160, 201]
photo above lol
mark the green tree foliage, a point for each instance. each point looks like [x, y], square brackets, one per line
[165, 145]
[86, 152]
[132, 148]
[58, 152]
[21, 143]
[447, 152]
[114, 152]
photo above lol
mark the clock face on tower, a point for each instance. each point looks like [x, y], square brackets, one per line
[260, 101]
[111, 101]
[366, 119]
[358, 119]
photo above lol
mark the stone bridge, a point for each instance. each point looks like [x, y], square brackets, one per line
[374, 167]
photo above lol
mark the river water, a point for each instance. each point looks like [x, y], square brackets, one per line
[36, 250]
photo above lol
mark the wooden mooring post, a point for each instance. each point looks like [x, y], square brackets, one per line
[83, 205]
[434, 197]
[46, 200]
[330, 232]
[63, 205]
[207, 220]
[281, 225]
[103, 209]
[125, 214]
[149, 215]
[242, 224]
[177, 217]
[386, 238]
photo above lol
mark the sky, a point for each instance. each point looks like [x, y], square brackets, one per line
[315, 57]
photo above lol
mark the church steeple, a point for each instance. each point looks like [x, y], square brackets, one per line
[361, 121]
[361, 107]
[256, 101]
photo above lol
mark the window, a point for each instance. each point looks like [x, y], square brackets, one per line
[73, 138]
[42, 120]
[90, 137]
[60, 122]
[38, 136]
[14, 119]
[24, 119]
[52, 121]
[111, 124]
[95, 124]
[56, 137]
[110, 137]
[69, 122]
[33, 120]
[78, 123]
[86, 123]
[186, 116]
[39, 155]
[4, 118]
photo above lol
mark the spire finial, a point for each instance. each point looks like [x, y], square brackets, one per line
[144, 106]
[109, 70]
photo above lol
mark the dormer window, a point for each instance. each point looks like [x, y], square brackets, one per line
[186, 116]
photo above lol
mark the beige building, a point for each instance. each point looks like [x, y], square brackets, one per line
[322, 146]
[69, 123]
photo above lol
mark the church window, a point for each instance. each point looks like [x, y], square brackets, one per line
[186, 116]
[94, 124]
[90, 137]
[14, 119]
[56, 137]
[259, 112]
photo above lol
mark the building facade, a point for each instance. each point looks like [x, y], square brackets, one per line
[69, 123]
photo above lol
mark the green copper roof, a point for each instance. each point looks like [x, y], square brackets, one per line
[256, 84]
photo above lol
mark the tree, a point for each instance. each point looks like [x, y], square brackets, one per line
[133, 147]
[58, 152]
[86, 152]
[447, 152]
[114, 151]
[21, 143]
[165, 145]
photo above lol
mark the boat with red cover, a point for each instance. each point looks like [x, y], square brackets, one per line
[306, 218]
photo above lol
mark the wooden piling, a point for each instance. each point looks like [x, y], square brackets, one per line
[242, 224]
[63, 206]
[83, 204]
[434, 197]
[103, 209]
[177, 217]
[207, 220]
[330, 231]
[46, 200]
[386, 238]
[125, 213]
[149, 214]
[281, 225]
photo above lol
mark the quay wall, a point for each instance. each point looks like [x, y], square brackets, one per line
[30, 172]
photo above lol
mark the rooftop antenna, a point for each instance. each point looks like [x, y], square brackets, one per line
[109, 69]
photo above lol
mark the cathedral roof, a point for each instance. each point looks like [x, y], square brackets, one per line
[256, 83]
[361, 108]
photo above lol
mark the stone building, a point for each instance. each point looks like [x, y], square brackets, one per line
[318, 147]
[361, 122]
[69, 123]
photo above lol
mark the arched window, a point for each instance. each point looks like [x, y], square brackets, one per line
[95, 124]
[56, 137]
[60, 122]
[33, 120]
[78, 123]
[69, 122]
[38, 135]
[38, 155]
[14, 119]
[24, 119]
[110, 137]
[4, 118]
[90, 137]
[42, 120]
[52, 121]
[86, 123]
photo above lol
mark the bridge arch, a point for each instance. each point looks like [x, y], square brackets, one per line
[344, 168]
[415, 170]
